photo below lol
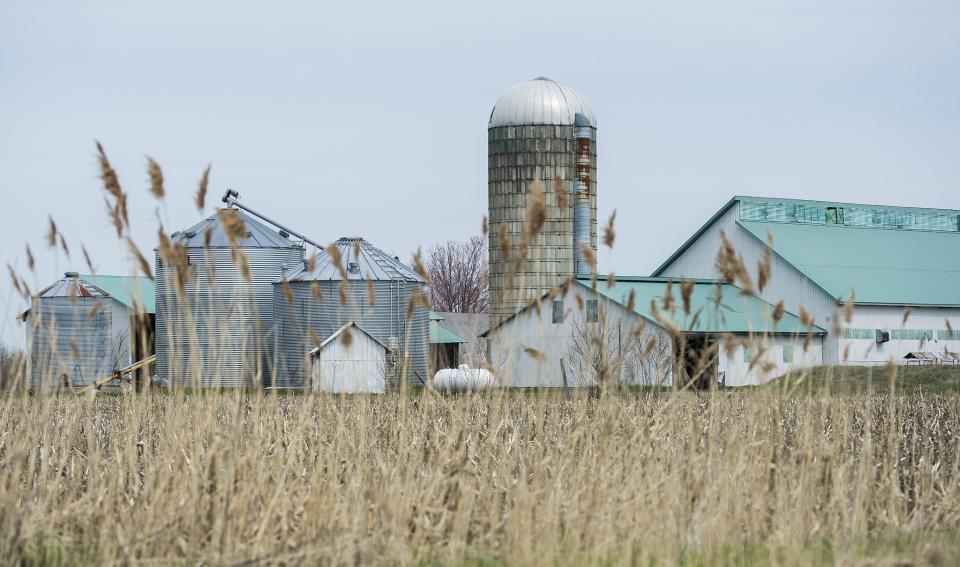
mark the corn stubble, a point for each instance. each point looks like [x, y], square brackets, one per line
[523, 480]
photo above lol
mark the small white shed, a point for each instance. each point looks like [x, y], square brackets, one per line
[349, 361]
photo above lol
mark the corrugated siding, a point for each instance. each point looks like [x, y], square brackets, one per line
[514, 366]
[737, 371]
[220, 334]
[869, 318]
[359, 367]
[100, 341]
[386, 320]
[786, 282]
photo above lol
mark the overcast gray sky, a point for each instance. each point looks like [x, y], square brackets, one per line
[359, 118]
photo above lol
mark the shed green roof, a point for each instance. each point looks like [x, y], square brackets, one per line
[439, 335]
[714, 308]
[129, 290]
[883, 266]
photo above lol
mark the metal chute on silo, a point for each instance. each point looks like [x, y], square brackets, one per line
[215, 307]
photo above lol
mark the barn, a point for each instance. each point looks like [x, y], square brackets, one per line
[444, 344]
[641, 331]
[897, 267]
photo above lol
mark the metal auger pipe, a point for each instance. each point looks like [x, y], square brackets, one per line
[232, 199]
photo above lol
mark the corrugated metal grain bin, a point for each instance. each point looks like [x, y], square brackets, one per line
[82, 328]
[370, 288]
[217, 330]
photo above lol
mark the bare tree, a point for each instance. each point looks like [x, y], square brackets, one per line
[608, 353]
[458, 276]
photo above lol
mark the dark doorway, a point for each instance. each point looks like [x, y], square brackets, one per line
[696, 361]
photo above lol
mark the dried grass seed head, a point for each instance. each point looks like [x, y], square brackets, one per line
[563, 200]
[51, 233]
[138, 256]
[371, 293]
[609, 233]
[156, 178]
[87, 260]
[686, 292]
[337, 259]
[419, 266]
[201, 195]
[315, 292]
[232, 224]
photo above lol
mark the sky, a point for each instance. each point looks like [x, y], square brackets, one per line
[366, 118]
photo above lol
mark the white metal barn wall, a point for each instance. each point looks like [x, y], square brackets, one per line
[736, 368]
[905, 337]
[356, 368]
[513, 366]
[786, 282]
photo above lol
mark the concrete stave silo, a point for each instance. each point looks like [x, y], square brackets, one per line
[542, 131]
[307, 319]
[218, 331]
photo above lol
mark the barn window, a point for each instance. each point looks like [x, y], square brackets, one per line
[747, 354]
[788, 354]
[834, 215]
[858, 334]
[593, 311]
[558, 311]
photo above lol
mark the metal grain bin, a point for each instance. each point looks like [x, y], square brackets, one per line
[218, 332]
[303, 319]
[82, 328]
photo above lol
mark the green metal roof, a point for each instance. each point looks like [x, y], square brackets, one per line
[434, 316]
[809, 213]
[882, 266]
[439, 335]
[733, 313]
[129, 290]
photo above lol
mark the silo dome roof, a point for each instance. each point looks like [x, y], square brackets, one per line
[361, 260]
[541, 101]
[259, 235]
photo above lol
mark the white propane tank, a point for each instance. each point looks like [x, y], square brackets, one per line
[463, 379]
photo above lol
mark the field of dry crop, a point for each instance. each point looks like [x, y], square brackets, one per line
[620, 478]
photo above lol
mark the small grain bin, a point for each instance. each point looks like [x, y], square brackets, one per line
[350, 360]
[84, 327]
[215, 323]
[369, 287]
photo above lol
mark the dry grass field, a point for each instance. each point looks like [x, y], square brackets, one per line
[617, 478]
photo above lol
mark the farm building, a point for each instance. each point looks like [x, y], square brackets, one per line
[621, 333]
[364, 285]
[900, 265]
[467, 327]
[444, 345]
[350, 361]
[84, 327]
